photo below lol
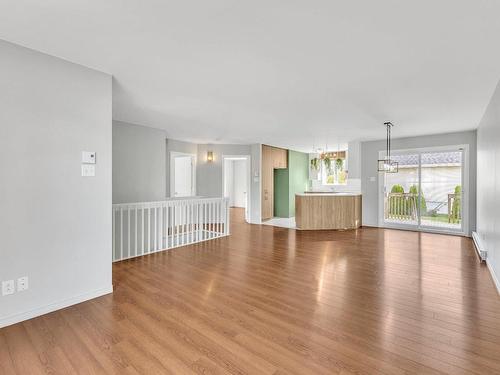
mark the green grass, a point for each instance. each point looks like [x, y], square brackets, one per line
[442, 218]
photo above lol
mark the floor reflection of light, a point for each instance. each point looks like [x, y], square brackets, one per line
[387, 326]
[210, 288]
[331, 270]
[322, 272]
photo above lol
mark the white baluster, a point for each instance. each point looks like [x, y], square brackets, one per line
[149, 229]
[136, 230]
[121, 232]
[142, 230]
[128, 231]
[155, 238]
[114, 235]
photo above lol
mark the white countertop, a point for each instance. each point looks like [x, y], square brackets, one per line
[327, 194]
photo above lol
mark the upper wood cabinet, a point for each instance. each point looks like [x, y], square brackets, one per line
[280, 158]
[272, 158]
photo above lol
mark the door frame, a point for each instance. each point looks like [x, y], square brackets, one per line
[248, 159]
[173, 155]
[464, 198]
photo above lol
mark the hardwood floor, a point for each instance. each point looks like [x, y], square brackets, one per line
[271, 300]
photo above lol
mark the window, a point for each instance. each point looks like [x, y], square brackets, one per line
[333, 168]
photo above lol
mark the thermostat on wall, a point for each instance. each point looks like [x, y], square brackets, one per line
[88, 157]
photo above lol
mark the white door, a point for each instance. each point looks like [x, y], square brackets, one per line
[236, 181]
[183, 176]
[240, 183]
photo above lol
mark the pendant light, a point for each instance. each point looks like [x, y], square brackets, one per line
[387, 165]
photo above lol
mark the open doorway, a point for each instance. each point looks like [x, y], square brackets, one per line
[182, 175]
[236, 181]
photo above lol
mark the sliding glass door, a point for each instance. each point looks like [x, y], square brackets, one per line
[427, 192]
[400, 201]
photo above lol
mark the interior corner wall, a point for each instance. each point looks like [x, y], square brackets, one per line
[370, 176]
[488, 184]
[139, 165]
[55, 225]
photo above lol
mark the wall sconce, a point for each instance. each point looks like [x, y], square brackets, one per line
[210, 156]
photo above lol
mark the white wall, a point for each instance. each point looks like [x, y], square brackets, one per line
[488, 184]
[139, 165]
[255, 184]
[370, 155]
[55, 225]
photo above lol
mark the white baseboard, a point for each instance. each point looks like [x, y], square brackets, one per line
[370, 225]
[25, 315]
[478, 244]
[493, 276]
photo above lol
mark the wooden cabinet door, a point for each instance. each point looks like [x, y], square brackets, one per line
[267, 183]
[280, 157]
[283, 160]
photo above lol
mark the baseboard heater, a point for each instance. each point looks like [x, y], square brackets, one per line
[478, 244]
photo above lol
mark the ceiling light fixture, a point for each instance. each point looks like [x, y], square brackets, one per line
[387, 165]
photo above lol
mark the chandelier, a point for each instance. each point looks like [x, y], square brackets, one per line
[387, 165]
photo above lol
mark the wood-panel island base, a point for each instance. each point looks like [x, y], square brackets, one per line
[327, 211]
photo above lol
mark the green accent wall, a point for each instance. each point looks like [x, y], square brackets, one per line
[281, 193]
[298, 166]
[289, 181]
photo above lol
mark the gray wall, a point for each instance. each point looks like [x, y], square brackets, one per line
[139, 171]
[141, 166]
[370, 155]
[141, 162]
[488, 184]
[209, 175]
[55, 225]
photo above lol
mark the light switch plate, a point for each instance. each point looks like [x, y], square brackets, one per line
[88, 170]
[7, 287]
[22, 283]
[88, 157]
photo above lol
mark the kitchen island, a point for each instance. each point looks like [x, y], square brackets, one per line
[327, 210]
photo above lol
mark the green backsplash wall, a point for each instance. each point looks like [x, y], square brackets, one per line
[289, 181]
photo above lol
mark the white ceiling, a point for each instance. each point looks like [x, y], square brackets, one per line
[284, 72]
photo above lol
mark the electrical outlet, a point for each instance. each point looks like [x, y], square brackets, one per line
[22, 283]
[7, 287]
